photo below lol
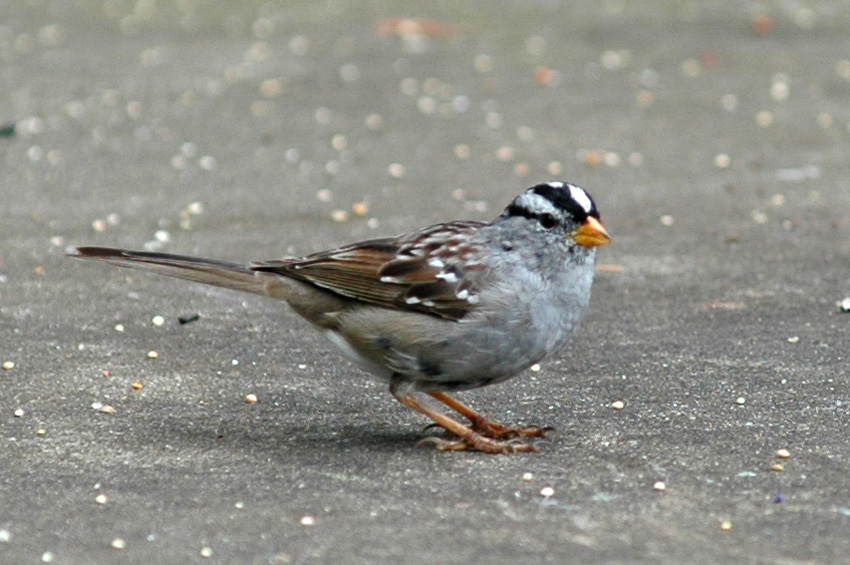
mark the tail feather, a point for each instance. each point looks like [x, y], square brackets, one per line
[206, 271]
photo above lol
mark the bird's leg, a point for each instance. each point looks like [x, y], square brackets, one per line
[487, 427]
[467, 437]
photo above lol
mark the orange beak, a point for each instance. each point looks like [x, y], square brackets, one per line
[591, 233]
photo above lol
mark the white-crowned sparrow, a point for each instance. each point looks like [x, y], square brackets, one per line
[449, 307]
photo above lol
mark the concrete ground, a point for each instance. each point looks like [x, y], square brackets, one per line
[713, 135]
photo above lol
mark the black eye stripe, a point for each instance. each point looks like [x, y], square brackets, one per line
[546, 219]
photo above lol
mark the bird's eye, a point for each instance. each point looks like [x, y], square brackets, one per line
[548, 221]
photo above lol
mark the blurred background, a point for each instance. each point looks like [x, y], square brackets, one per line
[714, 137]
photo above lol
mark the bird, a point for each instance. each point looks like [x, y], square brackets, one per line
[445, 308]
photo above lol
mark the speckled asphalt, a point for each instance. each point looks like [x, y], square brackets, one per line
[714, 137]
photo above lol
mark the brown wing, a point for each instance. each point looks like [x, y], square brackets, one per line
[431, 270]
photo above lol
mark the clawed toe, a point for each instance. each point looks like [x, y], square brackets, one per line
[497, 431]
[443, 444]
[430, 427]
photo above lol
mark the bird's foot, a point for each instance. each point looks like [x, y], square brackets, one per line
[478, 442]
[496, 431]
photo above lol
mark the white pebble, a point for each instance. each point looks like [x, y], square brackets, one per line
[546, 492]
[8, 365]
[659, 486]
[158, 320]
[118, 543]
[618, 405]
[764, 118]
[527, 477]
[5, 536]
[308, 521]
[207, 162]
[722, 160]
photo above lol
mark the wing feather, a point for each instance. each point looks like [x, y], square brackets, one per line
[427, 271]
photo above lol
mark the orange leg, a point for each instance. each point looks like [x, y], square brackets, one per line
[487, 427]
[467, 437]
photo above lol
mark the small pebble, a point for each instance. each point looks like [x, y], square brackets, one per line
[101, 499]
[360, 208]
[726, 525]
[740, 401]
[722, 160]
[778, 467]
[158, 320]
[844, 305]
[618, 405]
[461, 151]
[119, 327]
[8, 365]
[374, 122]
[783, 453]
[48, 557]
[764, 119]
[527, 477]
[546, 492]
[794, 339]
[195, 208]
[659, 486]
[41, 432]
[250, 399]
[308, 521]
[5, 536]
[667, 220]
[19, 413]
[152, 354]
[779, 498]
[118, 543]
[136, 385]
[206, 551]
[107, 409]
[535, 368]
[188, 319]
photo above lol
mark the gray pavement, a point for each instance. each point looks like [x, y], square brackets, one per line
[714, 137]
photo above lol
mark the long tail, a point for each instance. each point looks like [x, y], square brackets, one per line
[207, 271]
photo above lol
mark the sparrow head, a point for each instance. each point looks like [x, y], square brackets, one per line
[562, 206]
